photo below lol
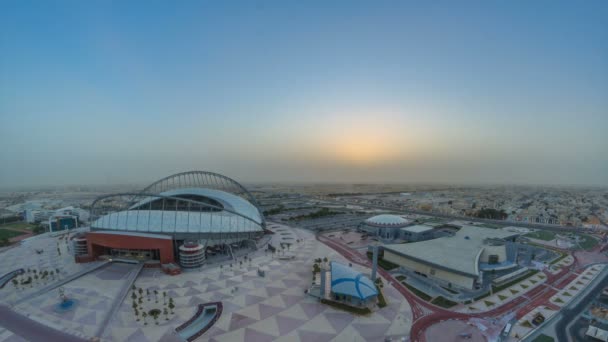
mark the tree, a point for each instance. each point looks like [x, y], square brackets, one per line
[171, 306]
[133, 296]
[134, 306]
[166, 312]
[145, 315]
[148, 294]
[137, 314]
[156, 296]
[140, 291]
[165, 297]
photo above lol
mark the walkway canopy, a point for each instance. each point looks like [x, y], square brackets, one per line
[347, 281]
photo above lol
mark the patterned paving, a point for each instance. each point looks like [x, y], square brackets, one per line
[93, 300]
[270, 308]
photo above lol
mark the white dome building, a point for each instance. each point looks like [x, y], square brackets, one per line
[386, 226]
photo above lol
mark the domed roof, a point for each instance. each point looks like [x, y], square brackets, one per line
[387, 220]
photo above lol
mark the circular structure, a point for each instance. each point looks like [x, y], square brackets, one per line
[387, 220]
[178, 218]
[385, 226]
[191, 254]
[453, 330]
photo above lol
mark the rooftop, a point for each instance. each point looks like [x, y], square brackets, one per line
[387, 220]
[459, 252]
[417, 228]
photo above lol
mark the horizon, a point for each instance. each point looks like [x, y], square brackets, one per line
[474, 93]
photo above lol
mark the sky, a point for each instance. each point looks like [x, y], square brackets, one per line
[462, 92]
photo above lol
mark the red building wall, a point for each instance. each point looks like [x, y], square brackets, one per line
[97, 241]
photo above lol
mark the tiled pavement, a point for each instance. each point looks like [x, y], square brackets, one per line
[268, 308]
[263, 309]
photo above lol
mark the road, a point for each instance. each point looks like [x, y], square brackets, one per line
[570, 314]
[32, 330]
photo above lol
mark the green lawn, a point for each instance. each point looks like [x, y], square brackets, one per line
[587, 241]
[351, 309]
[418, 292]
[381, 299]
[541, 235]
[5, 233]
[543, 338]
[18, 225]
[443, 302]
[387, 265]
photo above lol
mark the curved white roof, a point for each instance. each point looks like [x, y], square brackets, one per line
[387, 220]
[459, 253]
[228, 200]
[166, 221]
[347, 281]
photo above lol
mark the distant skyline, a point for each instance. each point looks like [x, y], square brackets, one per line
[473, 92]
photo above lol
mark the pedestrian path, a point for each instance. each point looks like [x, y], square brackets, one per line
[119, 299]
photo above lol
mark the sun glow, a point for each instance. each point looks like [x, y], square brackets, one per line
[365, 141]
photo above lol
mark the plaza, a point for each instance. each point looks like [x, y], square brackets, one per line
[255, 308]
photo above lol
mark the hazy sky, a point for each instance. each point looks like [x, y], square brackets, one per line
[462, 92]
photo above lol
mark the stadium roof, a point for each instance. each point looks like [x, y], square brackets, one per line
[228, 200]
[458, 253]
[387, 220]
[239, 215]
[347, 281]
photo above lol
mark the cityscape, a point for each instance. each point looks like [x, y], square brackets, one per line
[273, 171]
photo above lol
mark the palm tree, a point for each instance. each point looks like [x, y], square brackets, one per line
[165, 297]
[140, 291]
[145, 315]
[133, 296]
[137, 314]
[156, 296]
[53, 275]
[171, 306]
[148, 294]
[15, 282]
[166, 312]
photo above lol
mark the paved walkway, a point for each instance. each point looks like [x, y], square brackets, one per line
[32, 330]
[119, 299]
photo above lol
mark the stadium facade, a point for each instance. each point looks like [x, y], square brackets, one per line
[179, 219]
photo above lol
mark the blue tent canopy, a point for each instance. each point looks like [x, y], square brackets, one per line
[347, 281]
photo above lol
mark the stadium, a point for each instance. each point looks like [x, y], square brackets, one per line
[180, 219]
